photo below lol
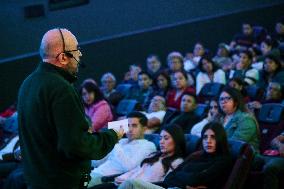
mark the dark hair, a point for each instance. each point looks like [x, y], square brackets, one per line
[177, 134]
[165, 75]
[222, 146]
[145, 73]
[182, 72]
[92, 88]
[237, 98]
[276, 60]
[247, 52]
[238, 80]
[153, 56]
[190, 94]
[209, 59]
[142, 118]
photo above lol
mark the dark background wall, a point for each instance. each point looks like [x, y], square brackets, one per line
[124, 33]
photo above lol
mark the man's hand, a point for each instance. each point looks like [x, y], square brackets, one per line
[119, 132]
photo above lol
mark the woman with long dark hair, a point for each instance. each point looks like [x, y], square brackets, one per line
[96, 107]
[208, 73]
[202, 168]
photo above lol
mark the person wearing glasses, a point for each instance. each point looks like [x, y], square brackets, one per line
[55, 143]
[238, 123]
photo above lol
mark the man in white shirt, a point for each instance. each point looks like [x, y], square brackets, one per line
[155, 114]
[127, 153]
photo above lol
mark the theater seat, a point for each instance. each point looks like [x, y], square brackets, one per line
[126, 106]
[209, 91]
[242, 154]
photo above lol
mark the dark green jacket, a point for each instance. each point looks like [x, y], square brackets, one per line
[55, 144]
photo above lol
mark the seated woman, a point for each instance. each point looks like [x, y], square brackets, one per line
[213, 115]
[238, 123]
[96, 107]
[159, 164]
[202, 168]
[208, 73]
[180, 86]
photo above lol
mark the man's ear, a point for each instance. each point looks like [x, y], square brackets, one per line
[63, 59]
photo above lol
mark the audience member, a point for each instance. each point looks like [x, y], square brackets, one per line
[142, 92]
[192, 60]
[272, 164]
[108, 82]
[239, 84]
[223, 55]
[213, 116]
[154, 65]
[208, 73]
[279, 31]
[272, 71]
[96, 107]
[132, 75]
[187, 118]
[180, 86]
[155, 114]
[244, 70]
[237, 122]
[162, 84]
[127, 153]
[273, 95]
[244, 40]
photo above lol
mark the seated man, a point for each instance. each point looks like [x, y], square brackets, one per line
[187, 117]
[271, 163]
[273, 95]
[127, 153]
[156, 113]
[142, 92]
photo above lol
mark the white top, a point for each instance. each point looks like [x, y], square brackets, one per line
[159, 114]
[197, 128]
[203, 78]
[149, 173]
[124, 157]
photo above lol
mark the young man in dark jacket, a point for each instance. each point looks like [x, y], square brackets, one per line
[56, 146]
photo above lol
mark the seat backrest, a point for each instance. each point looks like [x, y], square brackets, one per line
[123, 88]
[193, 143]
[201, 110]
[254, 92]
[242, 154]
[271, 123]
[126, 106]
[210, 90]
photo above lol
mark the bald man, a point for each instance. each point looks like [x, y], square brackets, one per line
[56, 146]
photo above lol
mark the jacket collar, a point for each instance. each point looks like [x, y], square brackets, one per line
[52, 68]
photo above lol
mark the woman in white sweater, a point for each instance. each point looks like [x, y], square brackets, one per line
[208, 72]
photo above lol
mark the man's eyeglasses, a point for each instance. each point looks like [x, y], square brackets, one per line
[225, 99]
[78, 49]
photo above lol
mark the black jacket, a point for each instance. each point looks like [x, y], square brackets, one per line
[204, 170]
[55, 144]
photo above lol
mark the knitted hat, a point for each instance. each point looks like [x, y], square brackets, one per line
[178, 136]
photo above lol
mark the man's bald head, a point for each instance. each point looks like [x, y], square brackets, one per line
[52, 43]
